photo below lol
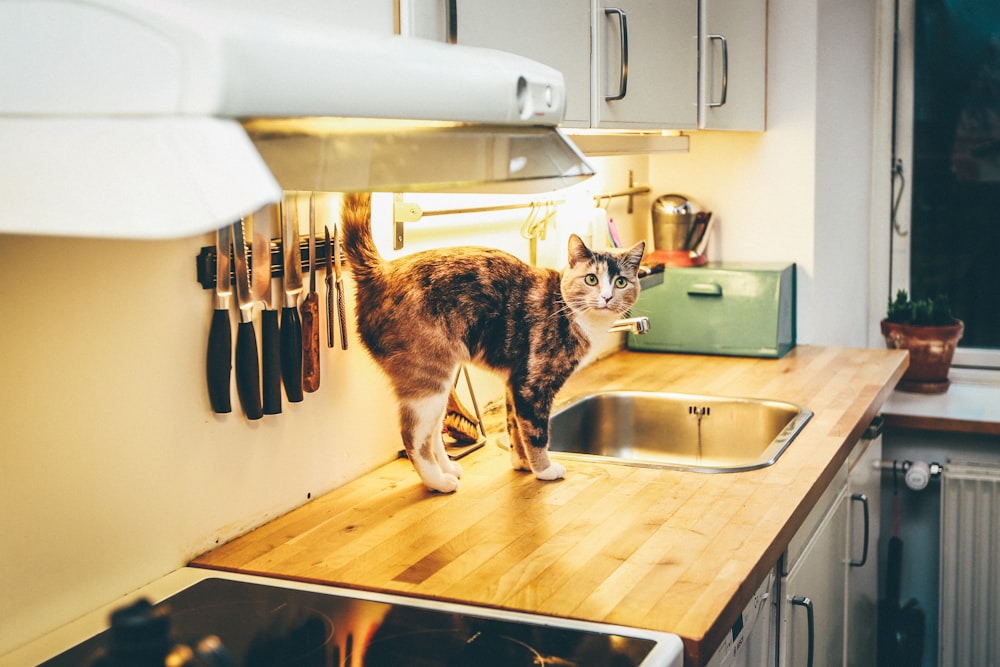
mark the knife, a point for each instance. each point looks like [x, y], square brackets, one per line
[341, 312]
[219, 359]
[701, 244]
[247, 368]
[310, 313]
[329, 288]
[291, 326]
[261, 276]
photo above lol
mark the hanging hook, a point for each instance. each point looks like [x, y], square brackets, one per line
[528, 226]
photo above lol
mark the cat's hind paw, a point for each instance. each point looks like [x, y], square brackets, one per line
[518, 462]
[554, 471]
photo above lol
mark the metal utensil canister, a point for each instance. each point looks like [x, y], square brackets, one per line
[673, 216]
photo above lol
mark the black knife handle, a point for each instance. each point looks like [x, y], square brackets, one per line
[271, 362]
[219, 361]
[291, 353]
[248, 370]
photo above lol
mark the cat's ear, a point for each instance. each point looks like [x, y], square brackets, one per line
[633, 256]
[578, 250]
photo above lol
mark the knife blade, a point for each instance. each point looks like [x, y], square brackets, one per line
[701, 244]
[261, 276]
[247, 367]
[291, 326]
[219, 357]
[341, 312]
[329, 287]
[310, 313]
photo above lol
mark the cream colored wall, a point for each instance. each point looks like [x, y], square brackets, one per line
[113, 468]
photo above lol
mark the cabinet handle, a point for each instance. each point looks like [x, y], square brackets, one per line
[705, 289]
[451, 21]
[803, 601]
[623, 78]
[725, 70]
[863, 499]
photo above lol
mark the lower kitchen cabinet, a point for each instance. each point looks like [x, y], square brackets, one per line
[814, 593]
[864, 486]
[829, 583]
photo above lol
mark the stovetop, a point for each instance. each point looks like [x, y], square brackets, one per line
[274, 625]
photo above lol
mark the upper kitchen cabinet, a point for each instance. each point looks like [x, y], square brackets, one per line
[646, 64]
[634, 64]
[556, 33]
[732, 90]
[627, 65]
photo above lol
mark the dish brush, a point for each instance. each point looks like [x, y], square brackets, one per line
[459, 423]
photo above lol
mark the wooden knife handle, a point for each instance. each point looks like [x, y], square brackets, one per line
[291, 353]
[248, 370]
[270, 361]
[310, 342]
[219, 361]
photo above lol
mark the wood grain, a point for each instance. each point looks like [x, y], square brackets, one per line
[666, 550]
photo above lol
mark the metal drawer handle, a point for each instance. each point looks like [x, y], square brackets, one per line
[451, 20]
[725, 70]
[705, 289]
[803, 601]
[863, 499]
[623, 79]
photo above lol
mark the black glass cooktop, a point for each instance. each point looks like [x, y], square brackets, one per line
[277, 627]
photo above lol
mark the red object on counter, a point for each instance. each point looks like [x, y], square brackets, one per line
[676, 258]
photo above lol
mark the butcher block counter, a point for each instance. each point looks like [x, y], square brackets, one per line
[681, 552]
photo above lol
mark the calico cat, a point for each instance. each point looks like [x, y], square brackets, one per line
[420, 316]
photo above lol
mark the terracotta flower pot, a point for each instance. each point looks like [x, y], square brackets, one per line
[931, 351]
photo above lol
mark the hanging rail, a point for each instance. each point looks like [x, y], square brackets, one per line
[403, 211]
[205, 260]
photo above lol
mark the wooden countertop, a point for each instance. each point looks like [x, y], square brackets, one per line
[659, 549]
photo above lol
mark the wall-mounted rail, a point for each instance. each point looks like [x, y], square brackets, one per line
[403, 212]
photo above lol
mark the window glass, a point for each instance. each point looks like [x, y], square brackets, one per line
[955, 216]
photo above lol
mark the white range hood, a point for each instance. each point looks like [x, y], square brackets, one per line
[168, 118]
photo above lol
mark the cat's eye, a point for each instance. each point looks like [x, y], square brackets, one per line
[590, 279]
[621, 282]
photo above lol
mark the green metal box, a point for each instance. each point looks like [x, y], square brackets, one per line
[744, 309]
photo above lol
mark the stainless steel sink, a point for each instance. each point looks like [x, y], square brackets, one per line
[679, 431]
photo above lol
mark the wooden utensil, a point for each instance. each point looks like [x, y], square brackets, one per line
[310, 313]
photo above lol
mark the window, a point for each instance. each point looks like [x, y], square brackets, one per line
[947, 227]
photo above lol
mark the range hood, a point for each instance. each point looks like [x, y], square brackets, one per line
[168, 118]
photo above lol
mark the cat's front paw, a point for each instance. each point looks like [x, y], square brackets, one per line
[446, 483]
[450, 467]
[554, 471]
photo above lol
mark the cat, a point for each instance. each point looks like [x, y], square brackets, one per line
[422, 315]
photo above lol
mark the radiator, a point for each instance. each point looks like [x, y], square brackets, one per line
[969, 624]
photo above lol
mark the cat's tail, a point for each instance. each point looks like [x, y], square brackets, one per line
[359, 246]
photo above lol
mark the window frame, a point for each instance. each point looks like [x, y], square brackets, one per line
[974, 359]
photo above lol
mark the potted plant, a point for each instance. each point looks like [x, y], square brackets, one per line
[927, 328]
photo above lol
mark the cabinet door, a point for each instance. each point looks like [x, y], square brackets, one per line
[554, 32]
[862, 574]
[733, 40]
[646, 64]
[818, 576]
